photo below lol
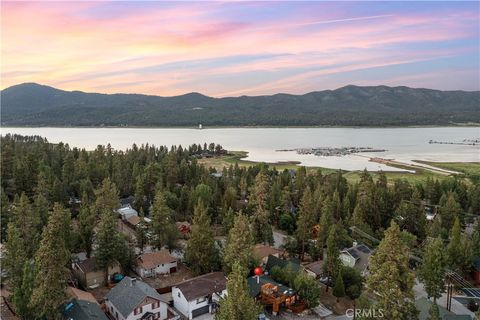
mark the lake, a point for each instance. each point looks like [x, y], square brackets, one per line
[402, 144]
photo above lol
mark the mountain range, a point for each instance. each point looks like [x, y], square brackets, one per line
[31, 104]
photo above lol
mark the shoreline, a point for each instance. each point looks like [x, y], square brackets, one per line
[472, 125]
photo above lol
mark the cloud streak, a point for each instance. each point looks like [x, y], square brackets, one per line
[222, 48]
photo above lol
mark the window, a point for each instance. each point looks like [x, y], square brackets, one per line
[200, 300]
[179, 294]
[137, 310]
[155, 305]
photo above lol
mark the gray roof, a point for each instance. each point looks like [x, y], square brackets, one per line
[128, 293]
[203, 285]
[82, 310]
[361, 253]
[316, 267]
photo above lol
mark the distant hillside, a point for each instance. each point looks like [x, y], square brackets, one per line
[32, 104]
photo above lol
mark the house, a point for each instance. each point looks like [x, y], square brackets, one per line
[268, 292]
[127, 211]
[357, 257]
[199, 295]
[184, 228]
[261, 252]
[153, 263]
[132, 299]
[127, 201]
[76, 309]
[315, 269]
[89, 275]
[423, 306]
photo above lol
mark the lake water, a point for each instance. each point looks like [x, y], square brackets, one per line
[402, 144]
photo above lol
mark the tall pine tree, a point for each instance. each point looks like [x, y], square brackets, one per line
[391, 277]
[164, 231]
[201, 253]
[237, 305]
[239, 244]
[51, 279]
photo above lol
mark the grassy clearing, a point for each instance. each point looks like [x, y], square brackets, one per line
[419, 176]
[469, 168]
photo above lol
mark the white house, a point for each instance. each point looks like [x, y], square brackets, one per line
[132, 299]
[357, 257]
[199, 295]
[127, 211]
[154, 263]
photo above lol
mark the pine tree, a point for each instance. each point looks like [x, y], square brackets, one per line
[15, 255]
[22, 295]
[454, 248]
[449, 210]
[332, 262]
[307, 288]
[108, 241]
[306, 220]
[237, 305]
[28, 224]
[326, 221]
[391, 277]
[432, 271]
[86, 224]
[106, 198]
[262, 228]
[434, 313]
[141, 230]
[201, 253]
[164, 230]
[50, 282]
[339, 286]
[239, 244]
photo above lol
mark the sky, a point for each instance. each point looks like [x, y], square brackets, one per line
[239, 48]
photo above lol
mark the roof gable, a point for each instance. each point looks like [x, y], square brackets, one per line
[129, 293]
[82, 310]
[203, 285]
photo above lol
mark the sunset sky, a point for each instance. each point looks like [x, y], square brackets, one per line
[239, 48]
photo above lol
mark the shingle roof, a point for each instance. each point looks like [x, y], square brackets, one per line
[361, 253]
[128, 293]
[81, 295]
[82, 310]
[316, 267]
[203, 285]
[261, 250]
[88, 265]
[274, 261]
[152, 259]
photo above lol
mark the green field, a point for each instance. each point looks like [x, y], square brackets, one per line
[469, 168]
[419, 176]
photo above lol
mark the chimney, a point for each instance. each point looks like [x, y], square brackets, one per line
[355, 243]
[133, 281]
[258, 279]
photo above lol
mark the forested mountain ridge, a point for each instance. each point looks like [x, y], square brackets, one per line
[31, 104]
